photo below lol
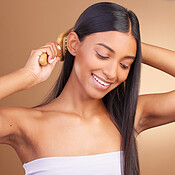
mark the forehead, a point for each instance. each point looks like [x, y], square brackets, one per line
[124, 42]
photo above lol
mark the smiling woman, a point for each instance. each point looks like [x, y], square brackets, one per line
[107, 30]
[107, 60]
[92, 116]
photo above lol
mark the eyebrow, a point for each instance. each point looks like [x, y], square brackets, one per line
[110, 49]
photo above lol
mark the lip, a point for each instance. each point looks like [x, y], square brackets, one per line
[98, 85]
[101, 78]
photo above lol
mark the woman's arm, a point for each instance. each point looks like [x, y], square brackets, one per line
[16, 81]
[31, 74]
[156, 109]
[12, 118]
[160, 58]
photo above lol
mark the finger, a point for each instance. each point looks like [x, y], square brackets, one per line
[56, 59]
[36, 54]
[48, 50]
[53, 49]
[52, 60]
[53, 52]
[56, 49]
[57, 46]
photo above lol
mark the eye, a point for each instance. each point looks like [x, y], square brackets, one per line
[100, 56]
[124, 66]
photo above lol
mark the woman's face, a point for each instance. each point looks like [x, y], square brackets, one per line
[103, 61]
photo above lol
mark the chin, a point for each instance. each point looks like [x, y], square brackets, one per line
[96, 95]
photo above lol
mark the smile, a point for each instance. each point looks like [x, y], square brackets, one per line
[99, 83]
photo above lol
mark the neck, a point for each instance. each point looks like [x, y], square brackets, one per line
[74, 99]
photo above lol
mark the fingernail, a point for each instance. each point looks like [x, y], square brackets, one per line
[52, 60]
[58, 46]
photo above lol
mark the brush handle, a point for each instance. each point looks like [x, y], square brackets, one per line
[43, 59]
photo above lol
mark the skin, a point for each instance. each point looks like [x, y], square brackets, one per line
[80, 90]
[77, 122]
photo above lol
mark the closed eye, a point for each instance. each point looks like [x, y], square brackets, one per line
[103, 57]
[100, 56]
[124, 66]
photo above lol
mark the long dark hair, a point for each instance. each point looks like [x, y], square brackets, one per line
[121, 102]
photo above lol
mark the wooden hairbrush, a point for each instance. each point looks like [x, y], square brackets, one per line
[62, 42]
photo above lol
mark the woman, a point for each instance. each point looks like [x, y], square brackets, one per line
[93, 114]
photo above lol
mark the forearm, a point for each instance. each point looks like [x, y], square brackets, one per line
[14, 82]
[160, 58]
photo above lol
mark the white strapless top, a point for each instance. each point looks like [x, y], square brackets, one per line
[99, 164]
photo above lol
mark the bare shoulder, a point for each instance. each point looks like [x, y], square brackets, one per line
[16, 111]
[18, 114]
[54, 113]
[154, 110]
[13, 121]
[36, 128]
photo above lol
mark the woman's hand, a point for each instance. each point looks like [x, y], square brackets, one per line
[38, 72]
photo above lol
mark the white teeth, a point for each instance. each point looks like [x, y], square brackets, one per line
[101, 82]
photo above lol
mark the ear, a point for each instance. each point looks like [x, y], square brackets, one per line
[72, 43]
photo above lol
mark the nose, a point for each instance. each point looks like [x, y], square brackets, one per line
[111, 71]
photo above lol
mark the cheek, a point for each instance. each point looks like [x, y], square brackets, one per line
[85, 61]
[82, 65]
[122, 75]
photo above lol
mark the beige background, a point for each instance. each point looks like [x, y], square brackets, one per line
[26, 25]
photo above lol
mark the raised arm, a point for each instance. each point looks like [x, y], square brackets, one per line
[32, 73]
[19, 80]
[160, 58]
[156, 109]
[12, 118]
